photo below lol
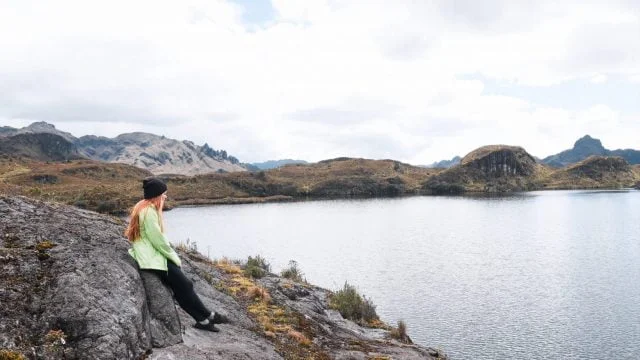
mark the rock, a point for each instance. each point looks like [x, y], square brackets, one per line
[494, 168]
[91, 291]
[164, 323]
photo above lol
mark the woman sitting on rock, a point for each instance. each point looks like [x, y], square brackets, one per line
[152, 251]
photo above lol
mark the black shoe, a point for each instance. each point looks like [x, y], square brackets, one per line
[210, 326]
[219, 318]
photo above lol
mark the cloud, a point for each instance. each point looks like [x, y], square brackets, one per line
[321, 78]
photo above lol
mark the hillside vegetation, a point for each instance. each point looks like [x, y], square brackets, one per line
[113, 188]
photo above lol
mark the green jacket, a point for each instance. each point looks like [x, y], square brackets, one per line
[152, 250]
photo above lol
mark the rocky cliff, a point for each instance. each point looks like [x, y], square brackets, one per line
[69, 290]
[494, 168]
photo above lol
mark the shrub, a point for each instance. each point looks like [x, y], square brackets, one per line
[106, 206]
[352, 305]
[257, 267]
[6, 354]
[188, 246]
[400, 333]
[293, 272]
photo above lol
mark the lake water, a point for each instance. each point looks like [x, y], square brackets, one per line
[531, 276]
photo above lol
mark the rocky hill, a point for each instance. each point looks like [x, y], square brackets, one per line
[69, 290]
[594, 172]
[157, 154]
[39, 146]
[37, 128]
[109, 187]
[588, 146]
[494, 168]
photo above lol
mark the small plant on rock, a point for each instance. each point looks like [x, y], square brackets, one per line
[400, 333]
[352, 305]
[293, 272]
[6, 354]
[257, 267]
[55, 341]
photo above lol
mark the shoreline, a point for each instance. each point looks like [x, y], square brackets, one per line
[173, 204]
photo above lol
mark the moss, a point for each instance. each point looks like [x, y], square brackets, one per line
[6, 354]
[45, 245]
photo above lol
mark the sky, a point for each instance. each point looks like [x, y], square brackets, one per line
[410, 80]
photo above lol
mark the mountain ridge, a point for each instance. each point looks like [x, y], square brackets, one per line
[155, 153]
[587, 146]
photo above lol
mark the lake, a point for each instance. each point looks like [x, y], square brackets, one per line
[527, 276]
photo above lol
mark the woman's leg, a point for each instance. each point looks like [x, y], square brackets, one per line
[184, 294]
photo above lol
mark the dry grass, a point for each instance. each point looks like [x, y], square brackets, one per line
[400, 333]
[6, 354]
[259, 293]
[228, 266]
[299, 337]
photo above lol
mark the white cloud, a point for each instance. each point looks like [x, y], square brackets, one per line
[323, 79]
[599, 79]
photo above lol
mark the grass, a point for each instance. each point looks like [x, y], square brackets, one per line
[257, 267]
[400, 333]
[293, 272]
[6, 354]
[354, 306]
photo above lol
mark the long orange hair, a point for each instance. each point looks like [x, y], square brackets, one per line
[133, 230]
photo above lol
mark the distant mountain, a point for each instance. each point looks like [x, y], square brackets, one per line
[36, 128]
[588, 146]
[272, 164]
[158, 154]
[39, 146]
[446, 163]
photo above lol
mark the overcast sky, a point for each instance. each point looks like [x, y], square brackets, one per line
[416, 81]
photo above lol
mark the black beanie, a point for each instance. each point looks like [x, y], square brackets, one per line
[153, 187]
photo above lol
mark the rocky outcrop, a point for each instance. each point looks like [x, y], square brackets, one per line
[495, 168]
[69, 290]
[67, 269]
[594, 172]
[596, 167]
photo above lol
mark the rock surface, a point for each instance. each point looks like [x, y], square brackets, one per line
[66, 272]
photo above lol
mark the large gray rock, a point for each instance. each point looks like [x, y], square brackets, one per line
[164, 322]
[67, 269]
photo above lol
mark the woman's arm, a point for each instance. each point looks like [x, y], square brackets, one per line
[151, 225]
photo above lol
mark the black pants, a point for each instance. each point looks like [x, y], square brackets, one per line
[183, 291]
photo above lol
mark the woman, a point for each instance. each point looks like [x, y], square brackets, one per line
[152, 251]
